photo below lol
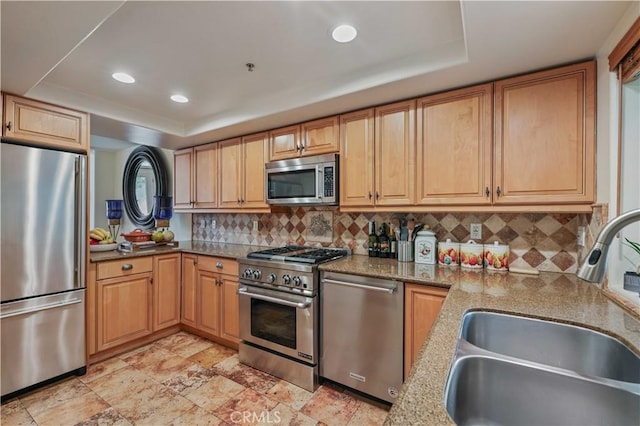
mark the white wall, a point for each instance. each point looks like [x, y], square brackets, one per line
[109, 170]
[607, 146]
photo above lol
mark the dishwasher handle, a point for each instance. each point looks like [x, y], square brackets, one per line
[300, 305]
[362, 286]
[40, 308]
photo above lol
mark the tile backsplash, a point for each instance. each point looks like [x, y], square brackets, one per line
[546, 241]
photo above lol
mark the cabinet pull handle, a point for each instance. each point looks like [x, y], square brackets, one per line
[370, 195]
[9, 125]
[219, 265]
[241, 200]
[498, 191]
[151, 281]
[127, 267]
[238, 200]
[377, 195]
[487, 192]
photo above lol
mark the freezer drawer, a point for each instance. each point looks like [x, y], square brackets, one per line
[361, 332]
[42, 338]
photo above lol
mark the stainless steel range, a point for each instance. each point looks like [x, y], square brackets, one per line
[279, 311]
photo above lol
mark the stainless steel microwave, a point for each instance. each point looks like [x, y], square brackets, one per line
[303, 181]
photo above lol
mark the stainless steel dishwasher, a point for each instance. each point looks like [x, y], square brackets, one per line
[361, 333]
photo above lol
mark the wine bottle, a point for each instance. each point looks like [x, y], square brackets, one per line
[373, 240]
[393, 243]
[384, 241]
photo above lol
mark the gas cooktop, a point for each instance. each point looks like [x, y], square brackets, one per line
[299, 254]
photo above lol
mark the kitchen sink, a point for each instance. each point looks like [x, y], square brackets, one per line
[512, 370]
[559, 345]
[488, 391]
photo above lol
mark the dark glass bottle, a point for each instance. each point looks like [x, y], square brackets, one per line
[393, 243]
[373, 240]
[385, 249]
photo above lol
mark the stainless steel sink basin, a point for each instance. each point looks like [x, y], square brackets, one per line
[559, 345]
[512, 370]
[488, 391]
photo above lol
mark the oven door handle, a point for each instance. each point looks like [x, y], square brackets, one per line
[364, 287]
[300, 305]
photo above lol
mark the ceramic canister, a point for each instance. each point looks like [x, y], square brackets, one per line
[426, 247]
[471, 255]
[448, 253]
[496, 257]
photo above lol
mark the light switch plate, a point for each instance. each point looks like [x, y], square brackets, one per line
[582, 236]
[213, 224]
[476, 231]
[255, 226]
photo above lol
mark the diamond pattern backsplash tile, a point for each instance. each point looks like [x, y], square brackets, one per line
[545, 241]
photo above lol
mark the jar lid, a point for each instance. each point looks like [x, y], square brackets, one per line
[426, 233]
[471, 242]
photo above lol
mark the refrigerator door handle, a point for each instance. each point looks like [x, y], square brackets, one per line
[80, 220]
[40, 308]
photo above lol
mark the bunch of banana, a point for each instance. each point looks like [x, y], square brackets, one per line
[101, 236]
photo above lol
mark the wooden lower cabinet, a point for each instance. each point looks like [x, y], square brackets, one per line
[166, 290]
[209, 299]
[421, 308]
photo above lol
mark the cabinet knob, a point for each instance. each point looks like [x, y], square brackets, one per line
[370, 195]
[127, 267]
[377, 195]
[498, 191]
[487, 192]
[238, 200]
[9, 125]
[219, 265]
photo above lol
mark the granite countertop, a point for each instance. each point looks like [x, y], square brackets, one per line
[231, 251]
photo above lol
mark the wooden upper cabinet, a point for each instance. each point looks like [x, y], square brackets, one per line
[395, 151]
[45, 124]
[284, 143]
[357, 158]
[230, 153]
[544, 137]
[254, 153]
[454, 147]
[183, 178]
[320, 136]
[206, 176]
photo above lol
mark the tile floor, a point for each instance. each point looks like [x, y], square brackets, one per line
[185, 380]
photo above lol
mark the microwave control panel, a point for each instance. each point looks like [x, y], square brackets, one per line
[328, 182]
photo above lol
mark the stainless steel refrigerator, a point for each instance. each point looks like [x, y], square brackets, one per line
[43, 251]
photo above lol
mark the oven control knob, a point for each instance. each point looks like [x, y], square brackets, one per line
[297, 281]
[248, 273]
[257, 274]
[271, 278]
[286, 279]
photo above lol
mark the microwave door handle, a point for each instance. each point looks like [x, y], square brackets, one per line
[301, 305]
[320, 183]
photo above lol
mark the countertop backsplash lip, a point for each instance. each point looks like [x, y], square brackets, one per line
[545, 241]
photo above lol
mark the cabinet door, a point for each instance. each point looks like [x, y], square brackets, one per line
[454, 147]
[189, 290]
[284, 143]
[421, 308]
[206, 176]
[166, 291]
[395, 154]
[255, 156]
[124, 310]
[545, 137]
[356, 158]
[230, 309]
[183, 178]
[230, 153]
[320, 136]
[209, 302]
[45, 124]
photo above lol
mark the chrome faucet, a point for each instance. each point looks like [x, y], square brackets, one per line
[593, 268]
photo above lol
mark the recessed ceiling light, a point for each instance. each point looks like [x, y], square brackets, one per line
[344, 33]
[123, 77]
[179, 98]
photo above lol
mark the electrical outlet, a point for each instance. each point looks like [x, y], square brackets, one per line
[476, 231]
[582, 236]
[255, 225]
[213, 224]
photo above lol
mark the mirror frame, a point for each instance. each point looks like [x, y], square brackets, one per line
[131, 167]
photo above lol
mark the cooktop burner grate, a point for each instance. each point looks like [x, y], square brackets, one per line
[299, 254]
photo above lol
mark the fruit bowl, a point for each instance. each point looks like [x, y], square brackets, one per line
[102, 247]
[137, 236]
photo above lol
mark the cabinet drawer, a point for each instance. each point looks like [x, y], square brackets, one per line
[218, 264]
[124, 267]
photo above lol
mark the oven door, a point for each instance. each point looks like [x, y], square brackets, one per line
[282, 322]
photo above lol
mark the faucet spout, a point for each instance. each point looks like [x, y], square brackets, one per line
[593, 268]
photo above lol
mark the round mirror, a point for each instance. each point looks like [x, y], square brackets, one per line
[144, 177]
